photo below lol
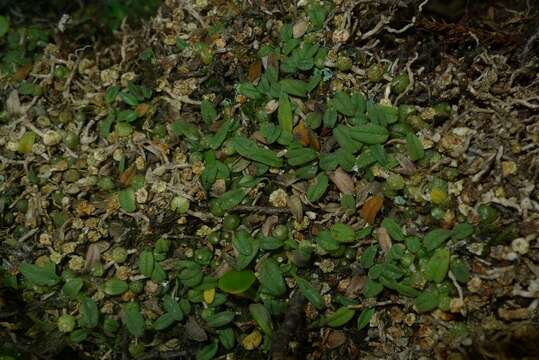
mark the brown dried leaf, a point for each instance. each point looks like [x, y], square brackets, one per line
[302, 134]
[371, 208]
[142, 109]
[22, 72]
[296, 207]
[315, 143]
[335, 339]
[194, 331]
[255, 69]
[93, 257]
[343, 181]
[406, 167]
[85, 208]
[13, 104]
[268, 225]
[383, 239]
[357, 283]
[257, 135]
[126, 178]
[299, 29]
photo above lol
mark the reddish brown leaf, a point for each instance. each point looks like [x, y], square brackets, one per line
[371, 207]
[255, 69]
[343, 181]
[142, 109]
[302, 134]
[22, 72]
[126, 178]
[315, 144]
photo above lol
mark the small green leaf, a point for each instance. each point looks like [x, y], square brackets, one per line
[318, 187]
[217, 139]
[462, 231]
[329, 161]
[115, 287]
[236, 282]
[393, 228]
[249, 90]
[391, 271]
[111, 94]
[209, 114]
[271, 278]
[231, 198]
[369, 134]
[220, 319]
[72, 287]
[413, 244]
[434, 238]
[247, 248]
[364, 318]
[368, 256]
[342, 135]
[4, 25]
[461, 270]
[438, 265]
[182, 128]
[191, 274]
[379, 154]
[127, 116]
[128, 98]
[132, 319]
[406, 290]
[106, 124]
[372, 288]
[163, 321]
[317, 14]
[310, 293]
[414, 147]
[340, 317]
[78, 335]
[158, 274]
[330, 117]
[271, 132]
[146, 263]
[250, 150]
[343, 233]
[89, 313]
[208, 351]
[227, 337]
[294, 87]
[343, 103]
[326, 241]
[298, 155]
[262, 317]
[40, 275]
[127, 200]
[284, 113]
[172, 307]
[427, 301]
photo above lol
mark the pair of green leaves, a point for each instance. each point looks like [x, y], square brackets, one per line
[247, 248]
[173, 313]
